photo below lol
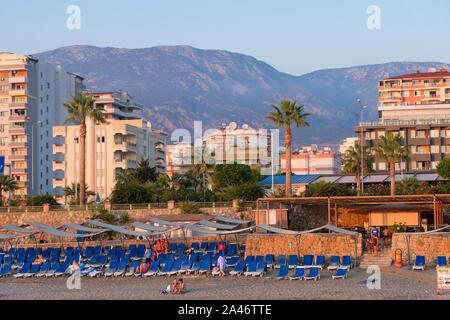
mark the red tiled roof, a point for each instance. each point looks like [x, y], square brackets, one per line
[438, 74]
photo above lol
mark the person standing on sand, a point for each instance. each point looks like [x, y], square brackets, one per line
[375, 245]
[222, 264]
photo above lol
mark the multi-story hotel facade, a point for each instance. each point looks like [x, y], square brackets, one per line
[312, 160]
[32, 94]
[179, 158]
[243, 145]
[417, 106]
[111, 148]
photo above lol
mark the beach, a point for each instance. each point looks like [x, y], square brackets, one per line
[396, 284]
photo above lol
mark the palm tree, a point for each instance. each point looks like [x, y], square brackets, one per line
[72, 191]
[352, 163]
[409, 185]
[207, 160]
[288, 114]
[391, 150]
[78, 110]
[7, 184]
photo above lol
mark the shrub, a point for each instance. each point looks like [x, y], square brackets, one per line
[189, 207]
[39, 200]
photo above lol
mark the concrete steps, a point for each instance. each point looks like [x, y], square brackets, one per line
[384, 259]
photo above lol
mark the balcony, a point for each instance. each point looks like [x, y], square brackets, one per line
[18, 157]
[58, 174]
[18, 92]
[420, 157]
[59, 157]
[18, 170]
[16, 130]
[18, 144]
[59, 165]
[17, 117]
[419, 141]
[18, 80]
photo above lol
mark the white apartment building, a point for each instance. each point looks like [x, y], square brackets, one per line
[179, 158]
[312, 160]
[243, 145]
[111, 148]
[32, 94]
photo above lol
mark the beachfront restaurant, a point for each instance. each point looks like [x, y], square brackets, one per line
[358, 212]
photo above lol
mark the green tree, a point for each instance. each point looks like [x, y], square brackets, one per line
[327, 189]
[409, 185]
[288, 114]
[352, 163]
[443, 168]
[79, 109]
[70, 192]
[7, 184]
[130, 193]
[143, 173]
[40, 200]
[391, 150]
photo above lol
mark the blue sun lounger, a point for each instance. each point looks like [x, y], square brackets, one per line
[132, 269]
[61, 270]
[205, 267]
[33, 271]
[299, 274]
[261, 269]
[283, 273]
[167, 268]
[195, 267]
[249, 259]
[173, 247]
[419, 264]
[185, 266]
[87, 254]
[231, 250]
[152, 271]
[341, 273]
[308, 261]
[111, 269]
[212, 247]
[140, 251]
[346, 262]
[269, 259]
[195, 246]
[100, 262]
[320, 262]
[6, 270]
[232, 262]
[281, 261]
[25, 268]
[121, 269]
[203, 246]
[44, 268]
[175, 268]
[250, 269]
[242, 249]
[441, 261]
[180, 249]
[259, 259]
[239, 269]
[52, 270]
[293, 261]
[334, 263]
[313, 274]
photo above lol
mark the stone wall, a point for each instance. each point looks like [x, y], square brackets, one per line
[429, 246]
[58, 218]
[315, 244]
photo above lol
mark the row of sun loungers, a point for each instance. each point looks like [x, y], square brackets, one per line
[313, 273]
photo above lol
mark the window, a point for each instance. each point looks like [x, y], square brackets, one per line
[434, 133]
[416, 93]
[435, 149]
[405, 94]
[382, 166]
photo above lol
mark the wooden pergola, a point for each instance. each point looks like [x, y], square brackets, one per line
[437, 201]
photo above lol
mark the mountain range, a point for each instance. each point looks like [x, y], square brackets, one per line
[180, 84]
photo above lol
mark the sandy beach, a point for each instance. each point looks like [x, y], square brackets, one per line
[395, 284]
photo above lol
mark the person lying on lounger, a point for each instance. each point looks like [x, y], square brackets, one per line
[143, 267]
[39, 260]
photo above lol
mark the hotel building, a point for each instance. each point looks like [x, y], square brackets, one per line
[32, 94]
[417, 106]
[243, 145]
[111, 148]
[312, 160]
[179, 158]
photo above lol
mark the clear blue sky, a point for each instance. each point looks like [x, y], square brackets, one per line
[294, 36]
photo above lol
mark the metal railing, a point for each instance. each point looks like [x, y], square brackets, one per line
[121, 207]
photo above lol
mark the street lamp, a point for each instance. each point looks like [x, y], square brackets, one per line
[362, 147]
[9, 192]
[32, 151]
